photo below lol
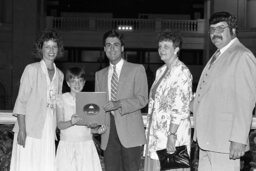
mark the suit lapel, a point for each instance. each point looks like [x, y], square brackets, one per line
[217, 69]
[105, 81]
[122, 78]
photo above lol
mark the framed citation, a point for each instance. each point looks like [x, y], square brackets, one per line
[89, 105]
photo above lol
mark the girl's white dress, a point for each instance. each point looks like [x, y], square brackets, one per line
[76, 150]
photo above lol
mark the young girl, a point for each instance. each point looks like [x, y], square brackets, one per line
[76, 150]
[41, 82]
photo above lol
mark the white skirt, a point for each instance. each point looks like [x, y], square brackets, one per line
[38, 154]
[77, 156]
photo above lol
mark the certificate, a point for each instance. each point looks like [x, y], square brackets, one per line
[89, 106]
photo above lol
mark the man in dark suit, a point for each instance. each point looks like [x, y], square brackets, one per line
[127, 89]
[225, 98]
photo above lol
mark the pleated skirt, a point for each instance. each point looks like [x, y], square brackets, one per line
[38, 154]
[77, 156]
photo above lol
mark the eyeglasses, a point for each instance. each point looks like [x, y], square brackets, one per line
[219, 29]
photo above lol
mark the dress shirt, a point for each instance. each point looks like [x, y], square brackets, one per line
[119, 66]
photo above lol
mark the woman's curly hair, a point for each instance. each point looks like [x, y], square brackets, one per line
[47, 35]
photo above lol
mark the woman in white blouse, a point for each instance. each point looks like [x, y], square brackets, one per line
[168, 110]
[35, 107]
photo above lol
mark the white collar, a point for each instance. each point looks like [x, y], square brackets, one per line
[222, 50]
[44, 67]
[119, 65]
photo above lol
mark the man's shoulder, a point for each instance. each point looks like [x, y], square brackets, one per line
[241, 50]
[133, 65]
[103, 70]
[238, 47]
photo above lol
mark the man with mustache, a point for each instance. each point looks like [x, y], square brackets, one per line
[225, 98]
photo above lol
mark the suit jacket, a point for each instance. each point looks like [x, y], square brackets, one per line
[133, 95]
[225, 99]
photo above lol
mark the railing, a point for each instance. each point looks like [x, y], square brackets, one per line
[138, 25]
[6, 117]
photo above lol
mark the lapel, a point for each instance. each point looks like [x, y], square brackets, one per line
[159, 75]
[105, 81]
[217, 69]
[122, 78]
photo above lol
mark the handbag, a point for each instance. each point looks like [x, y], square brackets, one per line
[178, 159]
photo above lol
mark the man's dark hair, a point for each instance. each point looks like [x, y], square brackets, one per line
[224, 17]
[113, 33]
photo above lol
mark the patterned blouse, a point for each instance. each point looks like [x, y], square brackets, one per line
[170, 104]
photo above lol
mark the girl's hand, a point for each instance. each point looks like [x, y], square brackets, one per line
[99, 130]
[74, 119]
[170, 147]
[21, 139]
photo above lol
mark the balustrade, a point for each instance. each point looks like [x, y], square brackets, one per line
[138, 25]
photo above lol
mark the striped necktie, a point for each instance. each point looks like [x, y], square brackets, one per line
[114, 84]
[214, 57]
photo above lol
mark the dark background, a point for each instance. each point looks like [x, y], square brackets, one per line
[127, 8]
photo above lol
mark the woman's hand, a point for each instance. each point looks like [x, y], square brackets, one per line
[171, 143]
[21, 139]
[22, 134]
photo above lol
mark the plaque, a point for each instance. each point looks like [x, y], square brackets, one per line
[89, 106]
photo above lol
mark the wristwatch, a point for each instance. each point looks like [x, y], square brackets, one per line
[171, 133]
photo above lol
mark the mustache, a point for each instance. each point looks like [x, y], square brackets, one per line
[217, 37]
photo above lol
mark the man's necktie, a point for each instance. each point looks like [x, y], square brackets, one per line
[114, 84]
[214, 57]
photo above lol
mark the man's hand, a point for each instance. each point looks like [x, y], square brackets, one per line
[112, 105]
[236, 150]
[21, 139]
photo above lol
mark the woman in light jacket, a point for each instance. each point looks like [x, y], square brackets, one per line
[40, 83]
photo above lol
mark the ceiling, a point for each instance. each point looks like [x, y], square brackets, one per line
[128, 8]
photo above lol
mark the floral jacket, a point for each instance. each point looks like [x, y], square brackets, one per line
[170, 104]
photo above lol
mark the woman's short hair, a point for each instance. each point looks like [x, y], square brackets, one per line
[47, 35]
[113, 33]
[173, 36]
[74, 72]
[224, 16]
